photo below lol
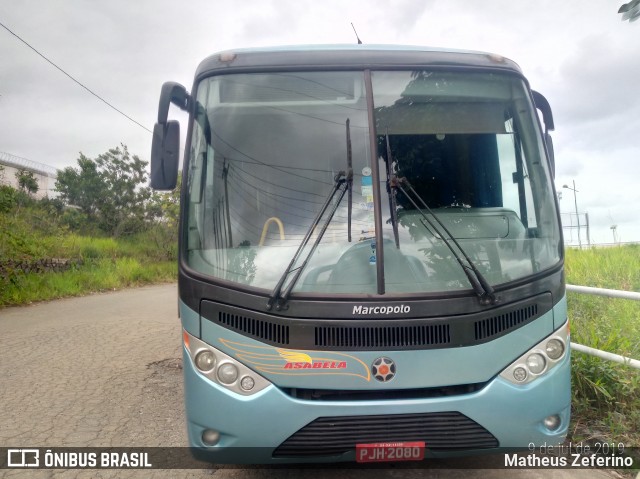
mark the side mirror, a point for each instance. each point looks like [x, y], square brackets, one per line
[542, 104]
[165, 146]
[552, 157]
[165, 155]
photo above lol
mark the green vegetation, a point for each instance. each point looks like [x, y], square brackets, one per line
[109, 192]
[27, 181]
[606, 395]
[113, 229]
[100, 275]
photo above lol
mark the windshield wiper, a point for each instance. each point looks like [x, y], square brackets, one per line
[480, 285]
[278, 296]
[391, 192]
[349, 182]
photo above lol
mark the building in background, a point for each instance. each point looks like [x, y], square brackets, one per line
[45, 175]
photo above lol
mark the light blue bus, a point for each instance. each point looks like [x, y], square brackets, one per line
[371, 260]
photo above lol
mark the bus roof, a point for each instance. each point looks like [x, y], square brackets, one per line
[350, 57]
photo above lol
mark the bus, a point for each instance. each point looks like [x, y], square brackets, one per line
[371, 262]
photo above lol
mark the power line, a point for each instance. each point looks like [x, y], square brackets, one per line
[72, 78]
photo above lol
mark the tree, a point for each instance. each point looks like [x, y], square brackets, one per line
[8, 198]
[123, 175]
[166, 207]
[27, 181]
[82, 187]
[111, 190]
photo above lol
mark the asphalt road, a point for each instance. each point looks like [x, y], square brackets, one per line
[105, 371]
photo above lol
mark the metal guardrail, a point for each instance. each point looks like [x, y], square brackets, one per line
[634, 363]
[609, 293]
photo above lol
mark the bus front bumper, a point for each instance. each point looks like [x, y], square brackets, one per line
[249, 429]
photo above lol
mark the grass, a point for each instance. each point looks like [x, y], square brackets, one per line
[103, 263]
[615, 268]
[87, 247]
[606, 395]
[100, 275]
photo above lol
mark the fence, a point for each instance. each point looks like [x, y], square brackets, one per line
[609, 293]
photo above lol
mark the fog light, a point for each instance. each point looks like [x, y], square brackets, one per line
[210, 437]
[536, 363]
[520, 374]
[554, 348]
[247, 383]
[227, 373]
[552, 422]
[205, 360]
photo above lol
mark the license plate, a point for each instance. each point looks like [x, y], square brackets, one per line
[390, 451]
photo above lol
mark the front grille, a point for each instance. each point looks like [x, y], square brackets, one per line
[332, 436]
[495, 325]
[382, 394]
[259, 329]
[377, 334]
[383, 337]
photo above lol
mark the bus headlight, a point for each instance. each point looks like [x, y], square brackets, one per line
[221, 368]
[552, 422]
[247, 383]
[554, 349]
[227, 373]
[536, 363]
[519, 374]
[205, 360]
[540, 359]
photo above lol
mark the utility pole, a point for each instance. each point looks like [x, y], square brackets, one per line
[575, 200]
[586, 217]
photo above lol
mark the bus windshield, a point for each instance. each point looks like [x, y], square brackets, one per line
[266, 148]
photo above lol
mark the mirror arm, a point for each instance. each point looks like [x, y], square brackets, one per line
[542, 104]
[175, 93]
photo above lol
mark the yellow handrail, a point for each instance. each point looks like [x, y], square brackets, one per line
[266, 227]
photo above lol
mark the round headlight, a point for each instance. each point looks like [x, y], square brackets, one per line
[247, 383]
[520, 374]
[210, 437]
[227, 373]
[205, 360]
[536, 363]
[554, 348]
[552, 422]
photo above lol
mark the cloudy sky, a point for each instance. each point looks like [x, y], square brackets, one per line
[578, 53]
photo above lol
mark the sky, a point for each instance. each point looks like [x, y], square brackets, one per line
[578, 53]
